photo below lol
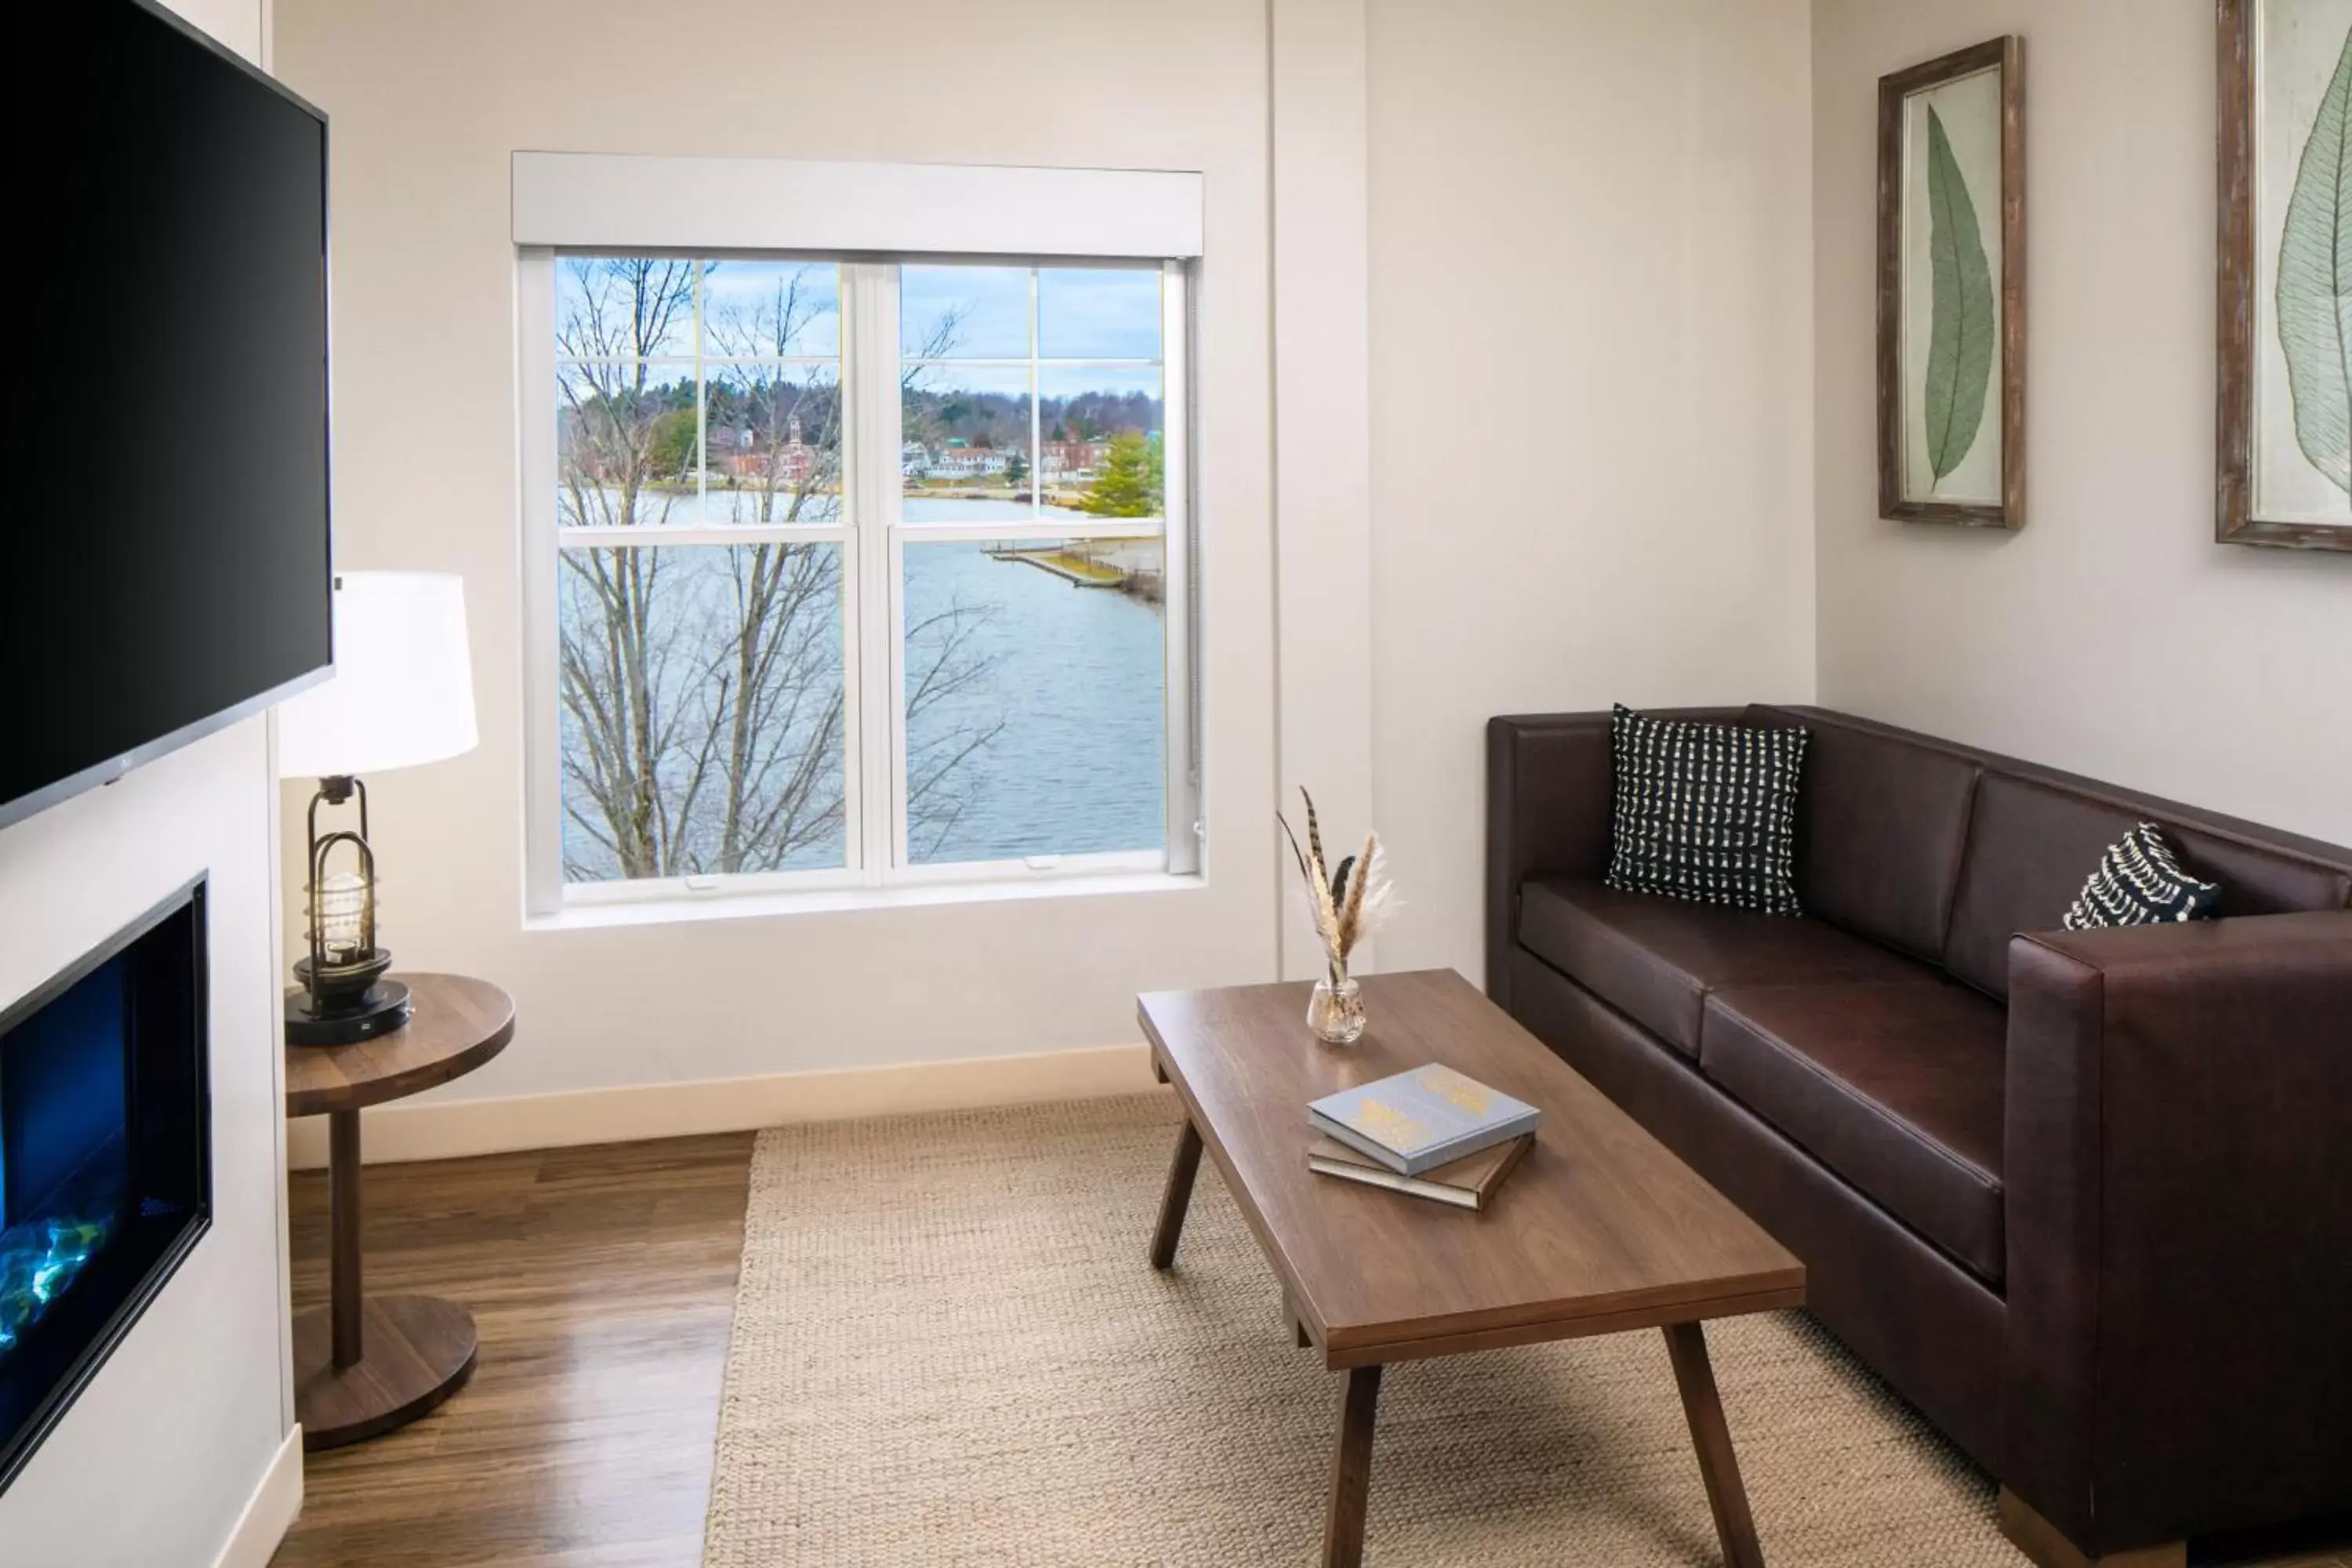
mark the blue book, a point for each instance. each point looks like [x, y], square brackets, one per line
[1423, 1119]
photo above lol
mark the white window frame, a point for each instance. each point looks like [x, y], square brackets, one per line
[873, 535]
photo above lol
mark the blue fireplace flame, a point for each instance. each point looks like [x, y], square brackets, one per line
[39, 1263]
[64, 1145]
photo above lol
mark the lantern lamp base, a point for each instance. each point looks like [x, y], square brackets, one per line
[379, 1010]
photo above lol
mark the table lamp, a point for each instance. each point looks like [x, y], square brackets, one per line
[402, 695]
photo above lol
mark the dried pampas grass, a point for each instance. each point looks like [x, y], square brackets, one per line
[1349, 904]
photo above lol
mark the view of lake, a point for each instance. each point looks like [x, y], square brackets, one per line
[1078, 767]
[1070, 682]
[702, 723]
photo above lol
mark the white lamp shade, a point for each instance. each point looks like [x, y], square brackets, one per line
[403, 692]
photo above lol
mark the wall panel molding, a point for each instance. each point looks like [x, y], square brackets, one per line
[1322, 401]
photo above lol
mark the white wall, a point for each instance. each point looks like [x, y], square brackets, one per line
[1591, 393]
[428, 98]
[1590, 404]
[2112, 636]
[240, 24]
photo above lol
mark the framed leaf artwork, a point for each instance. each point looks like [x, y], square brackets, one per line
[2284, 411]
[1951, 289]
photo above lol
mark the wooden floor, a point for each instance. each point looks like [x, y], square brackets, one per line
[603, 1283]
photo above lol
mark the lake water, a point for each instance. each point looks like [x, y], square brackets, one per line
[1067, 706]
[1076, 680]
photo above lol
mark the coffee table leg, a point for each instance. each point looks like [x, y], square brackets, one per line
[1351, 1470]
[1711, 1435]
[1178, 1197]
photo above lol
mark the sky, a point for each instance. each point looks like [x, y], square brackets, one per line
[1082, 313]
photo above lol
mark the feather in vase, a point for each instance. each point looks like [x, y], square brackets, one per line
[1347, 905]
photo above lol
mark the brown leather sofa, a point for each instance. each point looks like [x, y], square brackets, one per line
[2085, 1199]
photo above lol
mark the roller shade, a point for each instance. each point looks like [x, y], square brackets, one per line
[599, 199]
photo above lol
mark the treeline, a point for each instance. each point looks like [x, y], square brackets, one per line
[736, 399]
[933, 418]
[1001, 419]
[658, 421]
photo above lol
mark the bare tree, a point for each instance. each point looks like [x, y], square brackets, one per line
[944, 738]
[616, 670]
[702, 687]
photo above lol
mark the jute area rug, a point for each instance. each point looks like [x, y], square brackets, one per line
[948, 1348]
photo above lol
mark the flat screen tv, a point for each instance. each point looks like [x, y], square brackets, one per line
[166, 569]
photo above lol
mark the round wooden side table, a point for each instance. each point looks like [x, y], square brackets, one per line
[369, 1363]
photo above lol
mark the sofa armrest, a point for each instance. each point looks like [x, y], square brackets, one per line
[2178, 1175]
[1548, 805]
[1547, 784]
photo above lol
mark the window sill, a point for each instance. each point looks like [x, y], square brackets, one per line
[672, 908]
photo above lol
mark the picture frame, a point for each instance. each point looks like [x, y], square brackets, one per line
[2283, 393]
[1951, 289]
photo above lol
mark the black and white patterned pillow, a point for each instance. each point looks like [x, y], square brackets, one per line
[1705, 812]
[2138, 883]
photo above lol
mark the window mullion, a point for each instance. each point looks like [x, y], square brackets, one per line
[845, 538]
[1048, 528]
[660, 536]
[1036, 412]
[869, 374]
[701, 408]
[1180, 628]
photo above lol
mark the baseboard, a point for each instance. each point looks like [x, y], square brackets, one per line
[269, 1511]
[460, 1128]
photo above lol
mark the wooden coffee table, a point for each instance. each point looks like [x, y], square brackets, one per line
[1599, 1230]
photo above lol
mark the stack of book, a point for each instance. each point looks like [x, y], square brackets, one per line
[1430, 1133]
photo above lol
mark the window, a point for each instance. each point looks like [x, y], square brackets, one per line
[852, 574]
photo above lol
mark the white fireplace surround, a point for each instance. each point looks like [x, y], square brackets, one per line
[160, 1459]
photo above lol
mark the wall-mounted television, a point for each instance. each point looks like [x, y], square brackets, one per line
[165, 568]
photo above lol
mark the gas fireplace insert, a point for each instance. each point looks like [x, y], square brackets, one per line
[105, 1157]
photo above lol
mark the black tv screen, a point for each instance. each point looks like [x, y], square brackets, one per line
[167, 569]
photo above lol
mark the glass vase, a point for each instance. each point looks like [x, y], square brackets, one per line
[1336, 1010]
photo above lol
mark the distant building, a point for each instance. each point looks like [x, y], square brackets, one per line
[735, 451]
[1071, 461]
[958, 461]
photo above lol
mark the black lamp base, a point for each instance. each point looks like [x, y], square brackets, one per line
[379, 1010]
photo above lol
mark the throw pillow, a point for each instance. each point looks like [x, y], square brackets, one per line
[1705, 812]
[2138, 883]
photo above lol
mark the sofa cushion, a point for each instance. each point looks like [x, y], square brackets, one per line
[1656, 959]
[2031, 842]
[1897, 1087]
[1880, 825]
[2138, 883]
[1704, 812]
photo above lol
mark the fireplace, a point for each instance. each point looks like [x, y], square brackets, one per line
[105, 1157]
